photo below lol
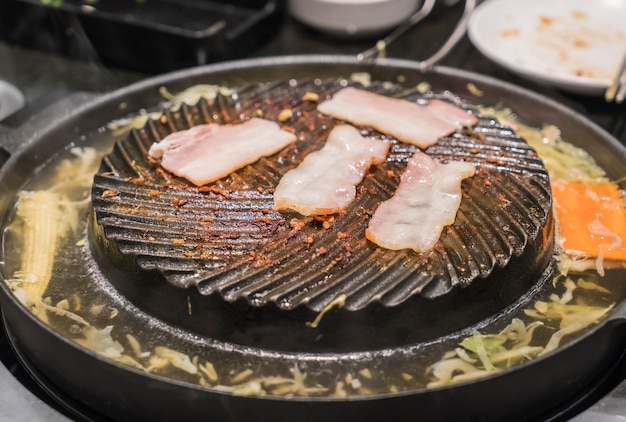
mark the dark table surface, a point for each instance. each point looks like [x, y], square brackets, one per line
[45, 78]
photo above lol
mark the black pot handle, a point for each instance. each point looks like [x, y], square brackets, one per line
[4, 151]
[13, 139]
[618, 314]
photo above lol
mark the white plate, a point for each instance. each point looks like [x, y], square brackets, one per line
[574, 45]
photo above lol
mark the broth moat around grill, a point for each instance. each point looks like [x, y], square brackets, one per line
[217, 260]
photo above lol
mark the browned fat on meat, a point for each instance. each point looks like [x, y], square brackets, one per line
[206, 153]
[325, 181]
[426, 200]
[420, 125]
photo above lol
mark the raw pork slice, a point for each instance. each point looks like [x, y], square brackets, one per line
[324, 183]
[206, 153]
[409, 122]
[426, 200]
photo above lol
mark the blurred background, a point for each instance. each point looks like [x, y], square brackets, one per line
[49, 48]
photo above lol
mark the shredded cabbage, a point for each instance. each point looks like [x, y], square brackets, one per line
[563, 160]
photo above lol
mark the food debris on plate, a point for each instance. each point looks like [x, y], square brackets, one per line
[573, 45]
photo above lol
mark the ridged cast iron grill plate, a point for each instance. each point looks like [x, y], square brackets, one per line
[225, 238]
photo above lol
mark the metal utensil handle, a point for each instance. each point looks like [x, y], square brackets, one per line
[459, 31]
[453, 39]
[617, 90]
[373, 52]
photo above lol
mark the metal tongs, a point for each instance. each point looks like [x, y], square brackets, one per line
[617, 90]
[378, 50]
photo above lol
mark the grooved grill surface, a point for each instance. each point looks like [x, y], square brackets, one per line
[226, 238]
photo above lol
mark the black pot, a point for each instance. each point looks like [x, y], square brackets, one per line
[532, 390]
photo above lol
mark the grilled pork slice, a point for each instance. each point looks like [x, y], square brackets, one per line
[206, 153]
[325, 182]
[426, 200]
[420, 125]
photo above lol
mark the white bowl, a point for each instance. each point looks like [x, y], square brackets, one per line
[354, 18]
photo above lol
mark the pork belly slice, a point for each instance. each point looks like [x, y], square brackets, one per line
[206, 153]
[420, 125]
[426, 200]
[325, 181]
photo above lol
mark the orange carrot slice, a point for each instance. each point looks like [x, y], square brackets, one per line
[591, 219]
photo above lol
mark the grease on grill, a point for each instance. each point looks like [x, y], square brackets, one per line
[237, 246]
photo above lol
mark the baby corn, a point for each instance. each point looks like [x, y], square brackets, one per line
[41, 217]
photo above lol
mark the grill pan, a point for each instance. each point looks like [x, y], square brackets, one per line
[234, 245]
[531, 390]
[506, 164]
